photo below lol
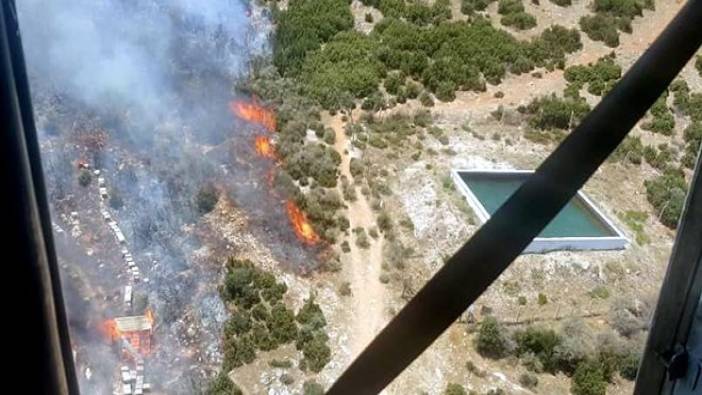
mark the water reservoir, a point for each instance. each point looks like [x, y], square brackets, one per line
[579, 226]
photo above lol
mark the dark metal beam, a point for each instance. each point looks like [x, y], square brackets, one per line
[679, 296]
[43, 356]
[491, 250]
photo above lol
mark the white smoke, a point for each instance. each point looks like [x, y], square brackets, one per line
[129, 54]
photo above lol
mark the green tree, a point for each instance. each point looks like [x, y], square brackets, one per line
[492, 341]
[589, 379]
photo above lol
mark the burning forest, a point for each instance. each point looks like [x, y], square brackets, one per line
[138, 114]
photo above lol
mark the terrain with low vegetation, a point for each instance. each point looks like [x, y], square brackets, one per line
[376, 101]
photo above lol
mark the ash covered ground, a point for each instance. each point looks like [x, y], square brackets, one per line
[140, 93]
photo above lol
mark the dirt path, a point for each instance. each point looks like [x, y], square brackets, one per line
[364, 265]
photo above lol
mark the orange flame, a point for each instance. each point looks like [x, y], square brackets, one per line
[264, 147]
[110, 330]
[303, 229]
[149, 316]
[253, 112]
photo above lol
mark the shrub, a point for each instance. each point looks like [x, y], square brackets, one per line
[282, 324]
[576, 346]
[532, 363]
[505, 7]
[698, 64]
[329, 137]
[446, 91]
[422, 118]
[345, 289]
[693, 138]
[667, 195]
[601, 27]
[600, 75]
[519, 20]
[551, 112]
[311, 387]
[663, 124]
[374, 102]
[361, 238]
[600, 292]
[85, 178]
[316, 353]
[280, 363]
[589, 379]
[426, 100]
[623, 8]
[393, 82]
[528, 380]
[369, 17]
[455, 389]
[317, 161]
[629, 316]
[206, 199]
[116, 201]
[468, 7]
[562, 3]
[473, 369]
[630, 150]
[238, 324]
[222, 385]
[356, 167]
[539, 342]
[629, 366]
[492, 341]
[542, 299]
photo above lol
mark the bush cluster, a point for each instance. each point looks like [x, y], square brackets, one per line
[261, 321]
[630, 150]
[553, 112]
[599, 77]
[666, 193]
[612, 16]
[513, 15]
[416, 12]
[693, 141]
[662, 120]
[469, 7]
[304, 26]
[444, 57]
[590, 361]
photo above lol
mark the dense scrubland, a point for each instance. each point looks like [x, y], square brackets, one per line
[420, 52]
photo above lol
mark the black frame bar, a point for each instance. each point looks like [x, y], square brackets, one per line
[679, 296]
[500, 240]
[47, 359]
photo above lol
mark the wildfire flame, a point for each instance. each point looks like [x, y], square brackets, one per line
[303, 229]
[264, 147]
[253, 112]
[110, 330]
[149, 316]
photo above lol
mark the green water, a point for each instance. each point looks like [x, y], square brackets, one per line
[575, 220]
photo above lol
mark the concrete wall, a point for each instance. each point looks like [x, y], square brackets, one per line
[546, 244]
